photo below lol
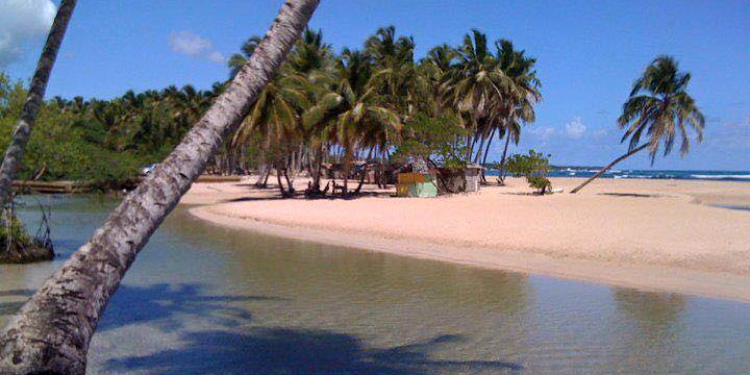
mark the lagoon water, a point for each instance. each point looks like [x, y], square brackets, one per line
[202, 299]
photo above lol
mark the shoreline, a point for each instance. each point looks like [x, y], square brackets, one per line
[707, 274]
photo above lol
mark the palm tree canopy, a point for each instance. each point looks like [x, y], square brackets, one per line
[660, 107]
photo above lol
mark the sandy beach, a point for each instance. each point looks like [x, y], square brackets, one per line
[663, 235]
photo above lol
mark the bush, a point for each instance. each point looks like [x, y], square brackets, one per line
[534, 166]
[440, 141]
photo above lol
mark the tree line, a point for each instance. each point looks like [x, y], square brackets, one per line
[373, 104]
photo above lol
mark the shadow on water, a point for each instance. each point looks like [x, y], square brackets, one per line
[164, 304]
[233, 346]
[284, 351]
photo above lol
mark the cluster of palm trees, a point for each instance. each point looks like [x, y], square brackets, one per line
[146, 122]
[357, 105]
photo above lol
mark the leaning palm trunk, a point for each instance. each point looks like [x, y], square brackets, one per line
[610, 165]
[52, 331]
[14, 154]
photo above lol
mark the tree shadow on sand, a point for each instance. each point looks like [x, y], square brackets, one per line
[163, 305]
[281, 351]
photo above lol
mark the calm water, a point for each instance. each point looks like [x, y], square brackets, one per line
[205, 300]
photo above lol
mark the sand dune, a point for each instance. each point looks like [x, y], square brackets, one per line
[662, 235]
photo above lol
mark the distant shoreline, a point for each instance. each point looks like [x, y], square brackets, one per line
[671, 245]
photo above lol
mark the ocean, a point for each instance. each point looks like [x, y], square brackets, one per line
[742, 176]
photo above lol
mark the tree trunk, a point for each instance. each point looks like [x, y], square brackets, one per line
[486, 153]
[501, 177]
[364, 173]
[317, 170]
[281, 185]
[14, 154]
[479, 151]
[52, 331]
[610, 165]
[289, 183]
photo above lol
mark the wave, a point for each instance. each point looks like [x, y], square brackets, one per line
[720, 176]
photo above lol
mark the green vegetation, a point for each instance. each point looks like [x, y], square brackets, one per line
[321, 108]
[439, 141]
[18, 245]
[102, 142]
[534, 166]
[660, 106]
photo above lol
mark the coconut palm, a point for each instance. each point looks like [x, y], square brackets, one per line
[477, 87]
[276, 116]
[395, 75]
[22, 132]
[238, 60]
[52, 331]
[518, 108]
[660, 106]
[352, 113]
[436, 67]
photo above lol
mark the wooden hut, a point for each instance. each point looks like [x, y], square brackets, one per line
[467, 180]
[417, 185]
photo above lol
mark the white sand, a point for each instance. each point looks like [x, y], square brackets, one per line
[658, 235]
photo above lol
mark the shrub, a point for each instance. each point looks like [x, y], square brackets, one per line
[534, 166]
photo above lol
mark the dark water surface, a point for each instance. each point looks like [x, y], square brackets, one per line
[201, 299]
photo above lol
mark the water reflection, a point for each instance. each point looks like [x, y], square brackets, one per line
[202, 299]
[653, 329]
[651, 310]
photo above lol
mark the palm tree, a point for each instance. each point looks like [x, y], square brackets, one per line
[518, 108]
[352, 113]
[16, 252]
[22, 132]
[477, 88]
[395, 75]
[238, 60]
[275, 115]
[659, 105]
[52, 331]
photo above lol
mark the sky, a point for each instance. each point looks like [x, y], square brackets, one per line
[588, 55]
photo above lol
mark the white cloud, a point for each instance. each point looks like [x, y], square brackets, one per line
[188, 43]
[575, 128]
[216, 57]
[542, 132]
[600, 133]
[22, 21]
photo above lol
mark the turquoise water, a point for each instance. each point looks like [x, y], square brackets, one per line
[202, 299]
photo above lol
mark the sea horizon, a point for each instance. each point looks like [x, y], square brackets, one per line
[655, 174]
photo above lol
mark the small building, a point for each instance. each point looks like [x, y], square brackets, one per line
[467, 180]
[417, 185]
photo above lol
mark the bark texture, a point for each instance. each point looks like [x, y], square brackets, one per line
[610, 165]
[501, 177]
[14, 154]
[52, 331]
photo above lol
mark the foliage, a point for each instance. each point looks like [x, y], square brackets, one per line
[372, 103]
[660, 105]
[534, 166]
[17, 231]
[439, 141]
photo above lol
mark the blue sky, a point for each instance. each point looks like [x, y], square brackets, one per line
[589, 53]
